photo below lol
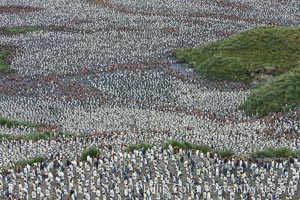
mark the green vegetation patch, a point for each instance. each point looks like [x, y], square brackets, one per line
[29, 136]
[283, 152]
[91, 151]
[3, 64]
[280, 94]
[188, 146]
[132, 147]
[11, 123]
[203, 148]
[20, 29]
[246, 56]
[225, 153]
[37, 159]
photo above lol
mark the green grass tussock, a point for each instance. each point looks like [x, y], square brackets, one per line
[37, 159]
[132, 147]
[283, 152]
[20, 29]
[91, 151]
[280, 94]
[11, 123]
[263, 50]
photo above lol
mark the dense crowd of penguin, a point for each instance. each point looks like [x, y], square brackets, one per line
[102, 71]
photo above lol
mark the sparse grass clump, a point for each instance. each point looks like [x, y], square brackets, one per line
[20, 29]
[225, 153]
[188, 146]
[263, 50]
[3, 64]
[91, 151]
[280, 94]
[6, 51]
[11, 123]
[203, 148]
[37, 159]
[132, 147]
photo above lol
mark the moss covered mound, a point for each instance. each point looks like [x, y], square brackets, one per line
[280, 94]
[246, 56]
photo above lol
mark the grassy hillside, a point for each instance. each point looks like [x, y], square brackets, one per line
[247, 56]
[283, 92]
